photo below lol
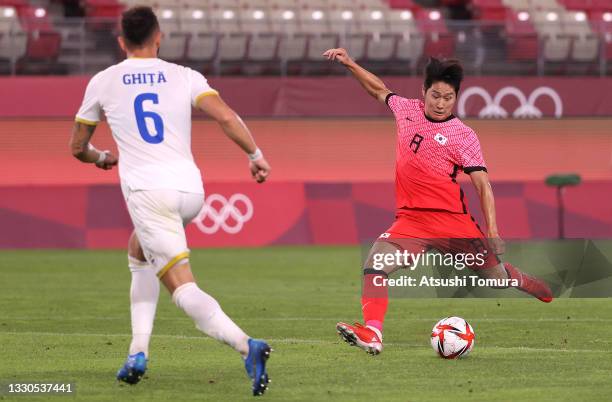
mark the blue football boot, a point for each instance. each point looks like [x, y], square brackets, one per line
[133, 369]
[255, 365]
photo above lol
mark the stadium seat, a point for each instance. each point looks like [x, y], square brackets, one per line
[318, 44]
[601, 5]
[585, 44]
[545, 5]
[205, 5]
[202, 47]
[578, 5]
[16, 4]
[254, 21]
[373, 4]
[517, 4]
[291, 48]
[263, 47]
[231, 53]
[13, 40]
[284, 20]
[409, 48]
[555, 44]
[254, 4]
[195, 19]
[380, 47]
[313, 21]
[400, 21]
[404, 5]
[373, 21]
[283, 4]
[224, 20]
[489, 10]
[521, 37]
[585, 48]
[343, 21]
[342, 5]
[232, 47]
[43, 41]
[355, 44]
[103, 8]
[439, 42]
[312, 4]
[175, 40]
[223, 4]
[601, 23]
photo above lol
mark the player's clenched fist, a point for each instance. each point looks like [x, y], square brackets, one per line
[108, 161]
[260, 169]
[339, 54]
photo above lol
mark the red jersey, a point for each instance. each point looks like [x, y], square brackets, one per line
[429, 155]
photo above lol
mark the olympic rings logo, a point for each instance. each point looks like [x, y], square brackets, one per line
[227, 214]
[493, 108]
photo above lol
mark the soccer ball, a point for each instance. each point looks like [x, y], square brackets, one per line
[452, 337]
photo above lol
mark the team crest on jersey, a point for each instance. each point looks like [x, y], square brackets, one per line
[384, 236]
[440, 139]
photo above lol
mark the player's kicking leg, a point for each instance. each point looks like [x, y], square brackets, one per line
[525, 283]
[210, 319]
[374, 301]
[144, 293]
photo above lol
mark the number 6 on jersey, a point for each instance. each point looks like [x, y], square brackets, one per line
[141, 115]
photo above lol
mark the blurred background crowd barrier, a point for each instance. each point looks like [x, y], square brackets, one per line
[287, 37]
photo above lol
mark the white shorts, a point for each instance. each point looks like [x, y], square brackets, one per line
[159, 218]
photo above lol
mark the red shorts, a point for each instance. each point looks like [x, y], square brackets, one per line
[421, 230]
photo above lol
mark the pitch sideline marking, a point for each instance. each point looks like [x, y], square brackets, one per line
[110, 318]
[299, 341]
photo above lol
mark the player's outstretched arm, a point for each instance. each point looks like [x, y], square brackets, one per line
[480, 180]
[371, 83]
[87, 153]
[237, 131]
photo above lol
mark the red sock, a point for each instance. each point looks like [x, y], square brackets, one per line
[374, 299]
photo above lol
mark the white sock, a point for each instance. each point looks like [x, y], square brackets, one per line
[144, 294]
[209, 318]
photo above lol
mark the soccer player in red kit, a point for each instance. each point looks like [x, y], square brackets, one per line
[433, 146]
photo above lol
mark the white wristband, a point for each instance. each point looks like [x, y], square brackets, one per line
[255, 156]
[101, 154]
[101, 158]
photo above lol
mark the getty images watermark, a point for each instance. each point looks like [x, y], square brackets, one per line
[457, 268]
[389, 262]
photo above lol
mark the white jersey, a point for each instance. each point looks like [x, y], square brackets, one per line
[147, 103]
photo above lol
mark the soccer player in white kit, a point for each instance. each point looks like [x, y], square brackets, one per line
[147, 103]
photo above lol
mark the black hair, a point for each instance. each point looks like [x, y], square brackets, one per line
[138, 24]
[449, 71]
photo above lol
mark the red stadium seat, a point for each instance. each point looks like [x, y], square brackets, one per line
[438, 40]
[601, 22]
[490, 10]
[43, 41]
[601, 5]
[522, 39]
[17, 4]
[103, 8]
[578, 5]
[404, 5]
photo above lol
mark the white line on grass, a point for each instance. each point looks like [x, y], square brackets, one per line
[475, 319]
[298, 341]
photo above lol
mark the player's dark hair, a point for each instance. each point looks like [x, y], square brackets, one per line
[138, 24]
[449, 71]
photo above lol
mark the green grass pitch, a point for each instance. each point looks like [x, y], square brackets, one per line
[64, 316]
